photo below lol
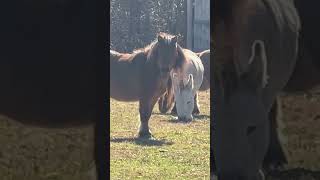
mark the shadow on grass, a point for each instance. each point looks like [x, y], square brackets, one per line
[195, 118]
[201, 117]
[164, 114]
[142, 141]
[176, 120]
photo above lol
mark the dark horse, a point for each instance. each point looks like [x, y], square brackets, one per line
[49, 65]
[166, 101]
[260, 50]
[143, 75]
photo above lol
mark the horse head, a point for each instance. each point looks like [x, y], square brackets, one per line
[184, 96]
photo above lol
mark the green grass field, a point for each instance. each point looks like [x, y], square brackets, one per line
[179, 150]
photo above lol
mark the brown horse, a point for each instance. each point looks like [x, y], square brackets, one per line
[166, 101]
[143, 75]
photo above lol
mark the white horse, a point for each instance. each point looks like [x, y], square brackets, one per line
[186, 82]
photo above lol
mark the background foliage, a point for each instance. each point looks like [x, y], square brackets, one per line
[135, 23]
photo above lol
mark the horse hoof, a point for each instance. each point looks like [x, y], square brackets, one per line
[145, 135]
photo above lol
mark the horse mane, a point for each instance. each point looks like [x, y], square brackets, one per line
[149, 51]
[146, 49]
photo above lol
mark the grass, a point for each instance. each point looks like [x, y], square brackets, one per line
[179, 150]
[28, 153]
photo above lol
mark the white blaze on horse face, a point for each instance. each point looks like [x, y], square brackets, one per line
[184, 98]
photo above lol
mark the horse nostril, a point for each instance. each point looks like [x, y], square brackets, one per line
[251, 129]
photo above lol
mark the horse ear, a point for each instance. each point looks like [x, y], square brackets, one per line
[257, 74]
[190, 82]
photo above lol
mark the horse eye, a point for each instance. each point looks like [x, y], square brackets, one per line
[188, 102]
[251, 129]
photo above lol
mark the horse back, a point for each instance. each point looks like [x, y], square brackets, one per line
[126, 74]
[205, 58]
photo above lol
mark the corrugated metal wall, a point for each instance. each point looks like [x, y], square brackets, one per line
[201, 28]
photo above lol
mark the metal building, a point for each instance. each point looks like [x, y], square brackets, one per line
[198, 25]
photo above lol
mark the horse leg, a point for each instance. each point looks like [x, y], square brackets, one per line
[145, 108]
[165, 102]
[174, 110]
[275, 157]
[161, 104]
[196, 109]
